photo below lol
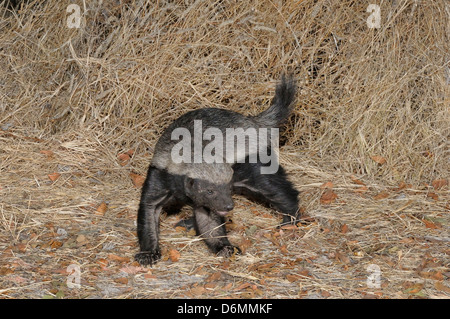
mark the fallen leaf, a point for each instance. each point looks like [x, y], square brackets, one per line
[378, 159]
[243, 286]
[245, 244]
[436, 275]
[123, 158]
[284, 250]
[228, 286]
[433, 195]
[430, 224]
[402, 186]
[138, 180]
[213, 277]
[47, 153]
[174, 255]
[439, 183]
[414, 289]
[103, 263]
[381, 195]
[344, 229]
[441, 287]
[328, 197]
[292, 278]
[5, 271]
[361, 190]
[130, 152]
[149, 276]
[17, 279]
[101, 209]
[81, 239]
[197, 291]
[118, 258]
[122, 280]
[132, 270]
[55, 244]
[54, 176]
[357, 181]
[342, 257]
[289, 227]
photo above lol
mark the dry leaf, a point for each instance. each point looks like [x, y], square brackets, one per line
[381, 195]
[402, 186]
[103, 263]
[47, 153]
[439, 183]
[54, 176]
[344, 229]
[243, 286]
[213, 277]
[430, 224]
[55, 244]
[130, 152]
[342, 257]
[122, 280]
[138, 180]
[361, 190]
[132, 270]
[328, 197]
[101, 209]
[123, 158]
[245, 244]
[174, 255]
[284, 250]
[292, 278]
[378, 159]
[357, 181]
[433, 195]
[118, 258]
[436, 275]
[149, 276]
[81, 239]
[441, 287]
[197, 291]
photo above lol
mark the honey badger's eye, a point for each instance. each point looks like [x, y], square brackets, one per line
[209, 192]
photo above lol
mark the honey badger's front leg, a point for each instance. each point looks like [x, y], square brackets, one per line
[211, 227]
[154, 196]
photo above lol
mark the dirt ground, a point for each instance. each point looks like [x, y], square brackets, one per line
[366, 241]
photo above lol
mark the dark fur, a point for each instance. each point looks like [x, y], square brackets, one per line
[169, 187]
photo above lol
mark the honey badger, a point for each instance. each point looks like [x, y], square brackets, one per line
[208, 185]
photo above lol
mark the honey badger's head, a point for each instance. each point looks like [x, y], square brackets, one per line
[215, 197]
[210, 186]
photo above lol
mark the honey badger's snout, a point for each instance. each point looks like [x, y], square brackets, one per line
[227, 207]
[215, 197]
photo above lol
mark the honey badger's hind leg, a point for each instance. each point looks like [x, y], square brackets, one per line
[211, 227]
[270, 189]
[154, 196]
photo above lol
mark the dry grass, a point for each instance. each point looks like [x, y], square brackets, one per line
[114, 84]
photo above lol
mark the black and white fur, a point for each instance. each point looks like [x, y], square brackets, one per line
[208, 188]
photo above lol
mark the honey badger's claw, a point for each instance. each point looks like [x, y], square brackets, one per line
[229, 251]
[148, 258]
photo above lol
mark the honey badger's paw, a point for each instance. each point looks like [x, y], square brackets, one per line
[148, 258]
[229, 251]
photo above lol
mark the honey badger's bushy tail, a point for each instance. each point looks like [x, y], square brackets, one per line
[280, 109]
